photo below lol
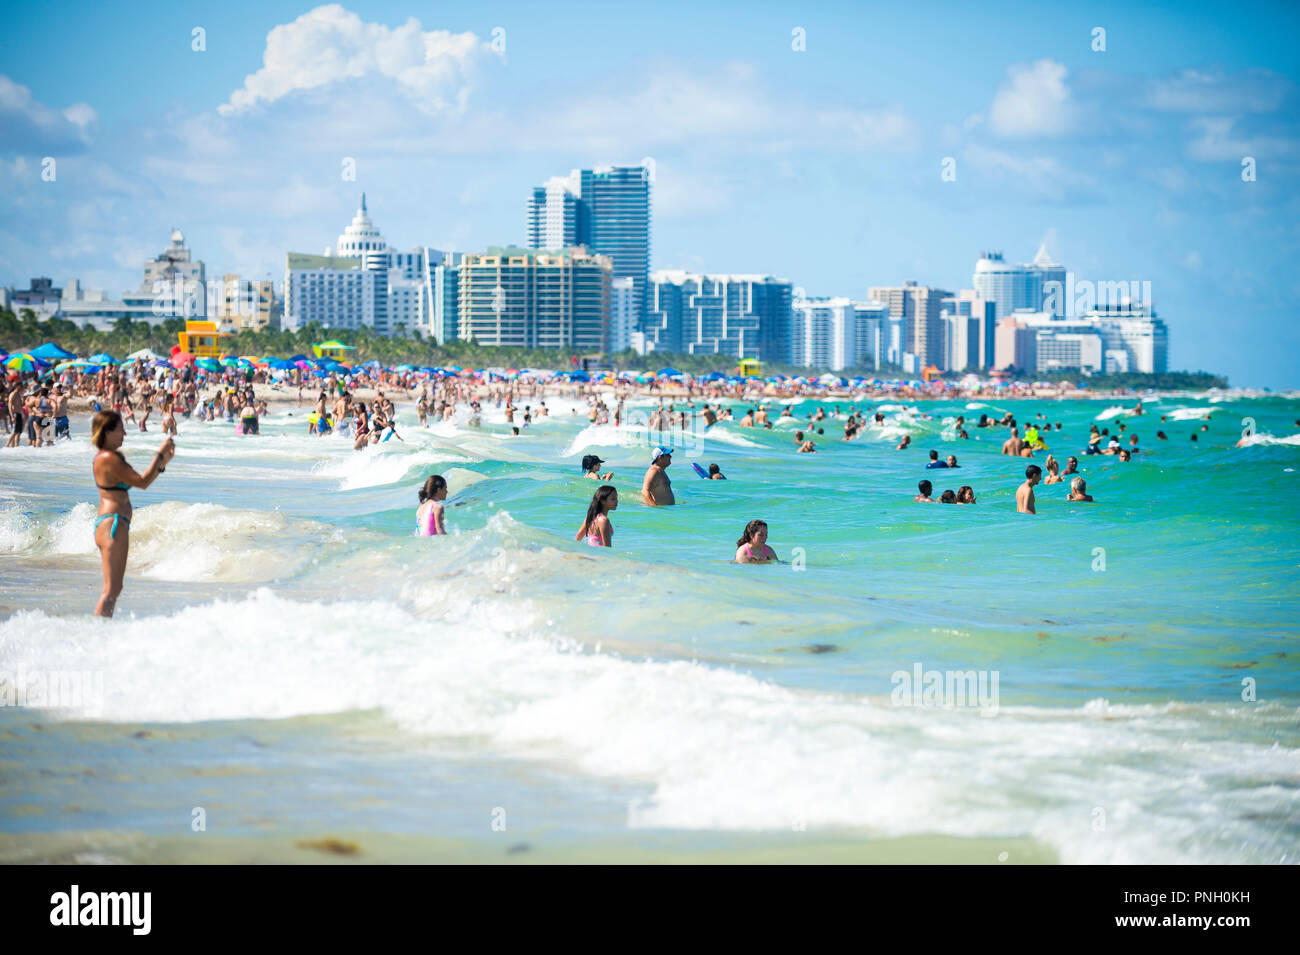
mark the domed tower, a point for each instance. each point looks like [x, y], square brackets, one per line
[361, 237]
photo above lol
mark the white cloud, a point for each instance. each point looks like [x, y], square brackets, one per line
[1042, 176]
[330, 44]
[30, 128]
[1197, 91]
[872, 129]
[1033, 102]
[1218, 140]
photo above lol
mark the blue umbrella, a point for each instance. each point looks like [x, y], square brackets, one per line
[51, 352]
[103, 358]
[670, 372]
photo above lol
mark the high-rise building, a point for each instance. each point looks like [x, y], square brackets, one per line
[967, 347]
[605, 210]
[174, 286]
[1011, 286]
[525, 298]
[622, 319]
[914, 311]
[1110, 338]
[837, 333]
[747, 316]
[392, 292]
[236, 303]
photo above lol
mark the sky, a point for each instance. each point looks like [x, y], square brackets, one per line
[807, 141]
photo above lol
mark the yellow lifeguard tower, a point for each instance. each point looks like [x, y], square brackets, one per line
[749, 368]
[202, 339]
[332, 349]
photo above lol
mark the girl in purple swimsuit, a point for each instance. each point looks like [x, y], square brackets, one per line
[597, 529]
[428, 518]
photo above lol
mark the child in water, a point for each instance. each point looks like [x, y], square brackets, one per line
[752, 547]
[428, 517]
[596, 528]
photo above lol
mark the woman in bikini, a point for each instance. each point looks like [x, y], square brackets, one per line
[596, 529]
[752, 547]
[428, 517]
[114, 477]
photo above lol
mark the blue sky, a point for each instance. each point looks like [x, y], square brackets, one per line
[821, 165]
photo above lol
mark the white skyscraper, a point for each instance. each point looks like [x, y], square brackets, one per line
[363, 281]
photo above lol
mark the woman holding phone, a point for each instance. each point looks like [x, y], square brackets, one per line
[114, 477]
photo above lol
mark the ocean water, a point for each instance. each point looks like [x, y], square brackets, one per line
[295, 671]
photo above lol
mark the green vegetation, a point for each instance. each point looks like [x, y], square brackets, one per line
[1169, 381]
[18, 332]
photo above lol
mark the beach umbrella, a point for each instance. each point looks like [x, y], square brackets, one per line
[51, 352]
[279, 364]
[80, 363]
[148, 354]
[209, 364]
[181, 358]
[160, 363]
[669, 372]
[103, 358]
[23, 362]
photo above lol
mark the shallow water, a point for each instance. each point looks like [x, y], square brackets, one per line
[288, 658]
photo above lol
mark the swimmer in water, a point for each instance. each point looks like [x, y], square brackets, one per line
[114, 477]
[948, 497]
[965, 494]
[902, 445]
[596, 528]
[591, 468]
[1053, 471]
[1079, 491]
[1025, 493]
[656, 488]
[926, 488]
[1071, 466]
[715, 473]
[428, 516]
[752, 547]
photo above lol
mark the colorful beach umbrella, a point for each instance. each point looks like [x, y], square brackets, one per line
[23, 362]
[209, 364]
[79, 363]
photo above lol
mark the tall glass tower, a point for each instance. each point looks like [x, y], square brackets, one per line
[607, 211]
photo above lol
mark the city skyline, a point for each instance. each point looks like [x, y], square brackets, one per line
[764, 157]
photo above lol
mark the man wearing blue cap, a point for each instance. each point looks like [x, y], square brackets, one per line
[656, 489]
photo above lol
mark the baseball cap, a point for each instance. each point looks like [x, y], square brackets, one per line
[658, 453]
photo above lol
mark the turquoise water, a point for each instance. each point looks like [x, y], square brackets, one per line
[287, 656]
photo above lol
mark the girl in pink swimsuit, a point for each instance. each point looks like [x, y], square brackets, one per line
[596, 529]
[752, 547]
[428, 518]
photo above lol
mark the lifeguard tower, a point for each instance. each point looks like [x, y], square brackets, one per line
[332, 349]
[202, 339]
[749, 368]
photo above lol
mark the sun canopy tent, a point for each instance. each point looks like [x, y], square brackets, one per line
[51, 352]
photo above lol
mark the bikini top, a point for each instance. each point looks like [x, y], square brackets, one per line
[123, 486]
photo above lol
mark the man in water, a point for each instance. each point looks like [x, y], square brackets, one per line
[657, 489]
[1013, 445]
[952, 461]
[61, 414]
[1079, 491]
[935, 462]
[926, 489]
[1025, 493]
